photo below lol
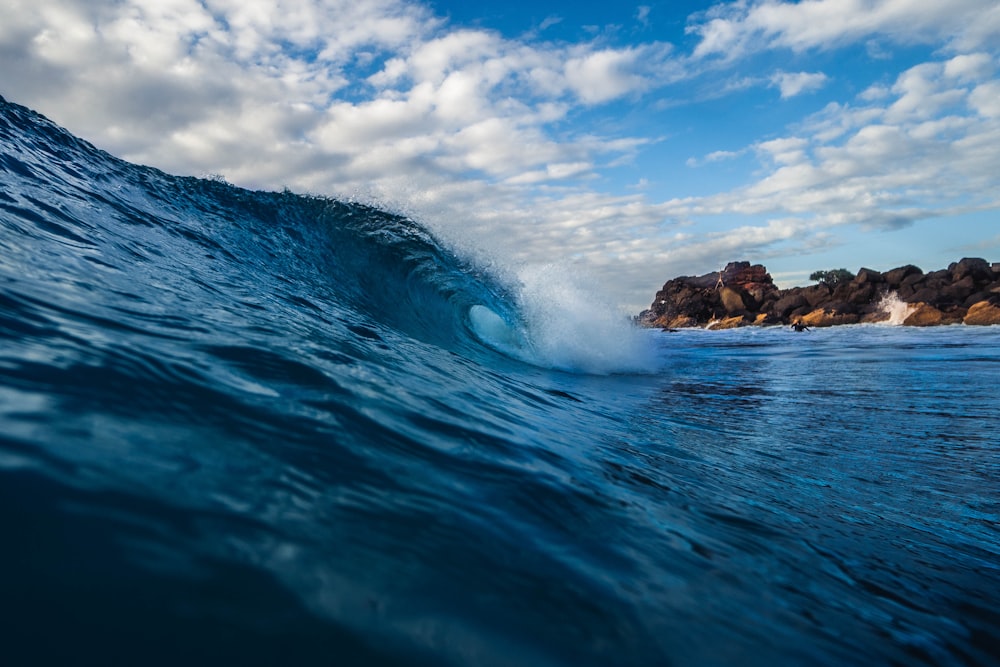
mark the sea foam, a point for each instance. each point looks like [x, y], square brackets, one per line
[569, 325]
[897, 309]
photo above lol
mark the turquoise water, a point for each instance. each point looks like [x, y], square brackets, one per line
[257, 428]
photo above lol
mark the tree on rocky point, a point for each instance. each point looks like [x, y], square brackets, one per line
[833, 277]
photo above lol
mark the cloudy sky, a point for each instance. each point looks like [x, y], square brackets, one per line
[630, 143]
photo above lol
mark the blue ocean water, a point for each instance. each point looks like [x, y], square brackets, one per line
[258, 428]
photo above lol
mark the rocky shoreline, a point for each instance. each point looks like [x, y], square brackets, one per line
[743, 294]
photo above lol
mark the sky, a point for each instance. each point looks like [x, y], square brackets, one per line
[625, 143]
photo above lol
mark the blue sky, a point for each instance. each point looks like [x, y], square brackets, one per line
[625, 143]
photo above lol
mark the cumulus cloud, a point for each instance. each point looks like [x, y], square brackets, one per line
[733, 29]
[884, 163]
[795, 83]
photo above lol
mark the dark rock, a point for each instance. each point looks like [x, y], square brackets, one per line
[733, 300]
[978, 269]
[914, 278]
[842, 308]
[930, 295]
[895, 277]
[799, 312]
[862, 294]
[868, 276]
[786, 304]
[959, 291]
[937, 278]
[976, 297]
[816, 294]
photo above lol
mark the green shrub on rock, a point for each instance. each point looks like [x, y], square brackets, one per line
[833, 277]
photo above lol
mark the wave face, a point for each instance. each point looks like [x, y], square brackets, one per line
[261, 428]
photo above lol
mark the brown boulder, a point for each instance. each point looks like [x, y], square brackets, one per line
[822, 317]
[927, 315]
[743, 273]
[816, 294]
[786, 304]
[732, 301]
[924, 316]
[874, 316]
[984, 313]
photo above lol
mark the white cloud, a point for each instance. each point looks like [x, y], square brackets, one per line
[886, 165]
[821, 24]
[601, 76]
[549, 22]
[972, 66]
[985, 99]
[796, 83]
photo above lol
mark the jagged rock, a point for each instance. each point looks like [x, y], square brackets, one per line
[937, 278]
[976, 297]
[743, 294]
[816, 294]
[732, 301]
[868, 276]
[861, 294]
[923, 295]
[683, 322]
[959, 291]
[895, 277]
[764, 319]
[784, 306]
[874, 316]
[821, 317]
[925, 315]
[984, 313]
[972, 267]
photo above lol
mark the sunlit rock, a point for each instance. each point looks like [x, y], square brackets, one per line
[984, 313]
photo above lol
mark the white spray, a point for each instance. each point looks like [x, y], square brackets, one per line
[897, 309]
[570, 326]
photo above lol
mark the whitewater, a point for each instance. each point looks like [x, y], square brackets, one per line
[258, 428]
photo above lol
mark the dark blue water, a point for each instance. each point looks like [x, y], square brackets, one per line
[256, 428]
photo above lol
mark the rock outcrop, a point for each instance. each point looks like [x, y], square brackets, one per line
[743, 294]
